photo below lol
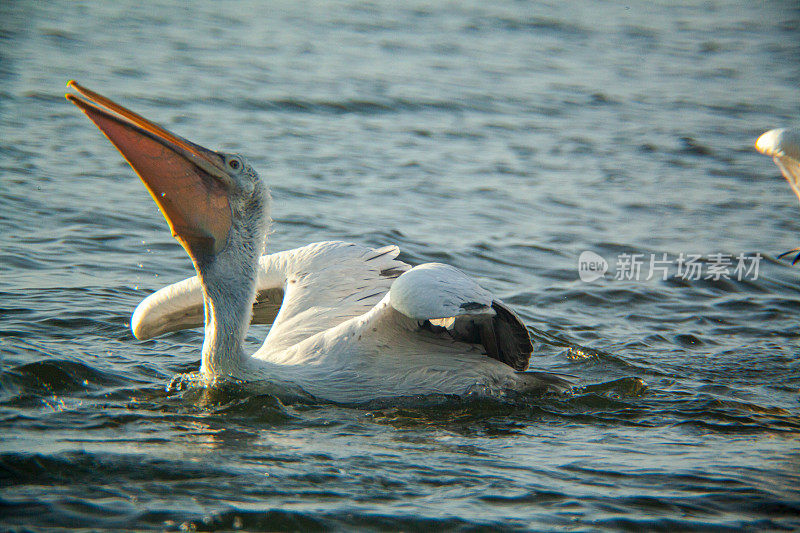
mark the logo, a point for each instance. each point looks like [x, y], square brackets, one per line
[591, 266]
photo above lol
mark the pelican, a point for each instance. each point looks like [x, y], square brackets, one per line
[348, 323]
[784, 147]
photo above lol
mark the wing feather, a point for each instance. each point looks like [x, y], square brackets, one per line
[445, 300]
[180, 306]
[328, 283]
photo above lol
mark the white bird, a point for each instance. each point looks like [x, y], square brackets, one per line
[349, 323]
[784, 147]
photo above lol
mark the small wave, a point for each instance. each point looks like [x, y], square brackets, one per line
[56, 375]
[26, 468]
[711, 414]
[530, 24]
[284, 520]
[622, 387]
[363, 107]
[261, 402]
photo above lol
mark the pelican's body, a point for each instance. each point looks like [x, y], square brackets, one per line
[337, 335]
[349, 323]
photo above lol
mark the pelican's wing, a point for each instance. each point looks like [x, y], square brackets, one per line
[441, 300]
[301, 292]
[180, 305]
[171, 308]
[328, 283]
[437, 331]
[784, 147]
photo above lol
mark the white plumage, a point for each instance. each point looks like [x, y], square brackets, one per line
[784, 147]
[349, 323]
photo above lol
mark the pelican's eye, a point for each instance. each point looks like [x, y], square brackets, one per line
[234, 164]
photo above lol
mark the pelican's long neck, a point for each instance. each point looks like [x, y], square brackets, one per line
[228, 294]
[229, 286]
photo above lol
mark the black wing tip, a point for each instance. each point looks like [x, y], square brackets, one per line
[503, 336]
[472, 306]
[383, 252]
[514, 346]
[392, 273]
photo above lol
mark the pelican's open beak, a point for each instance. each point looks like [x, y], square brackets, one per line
[188, 182]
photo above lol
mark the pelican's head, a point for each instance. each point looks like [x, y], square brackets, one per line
[210, 199]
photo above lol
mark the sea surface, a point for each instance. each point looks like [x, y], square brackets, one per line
[504, 138]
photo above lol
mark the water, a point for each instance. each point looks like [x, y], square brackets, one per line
[503, 139]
